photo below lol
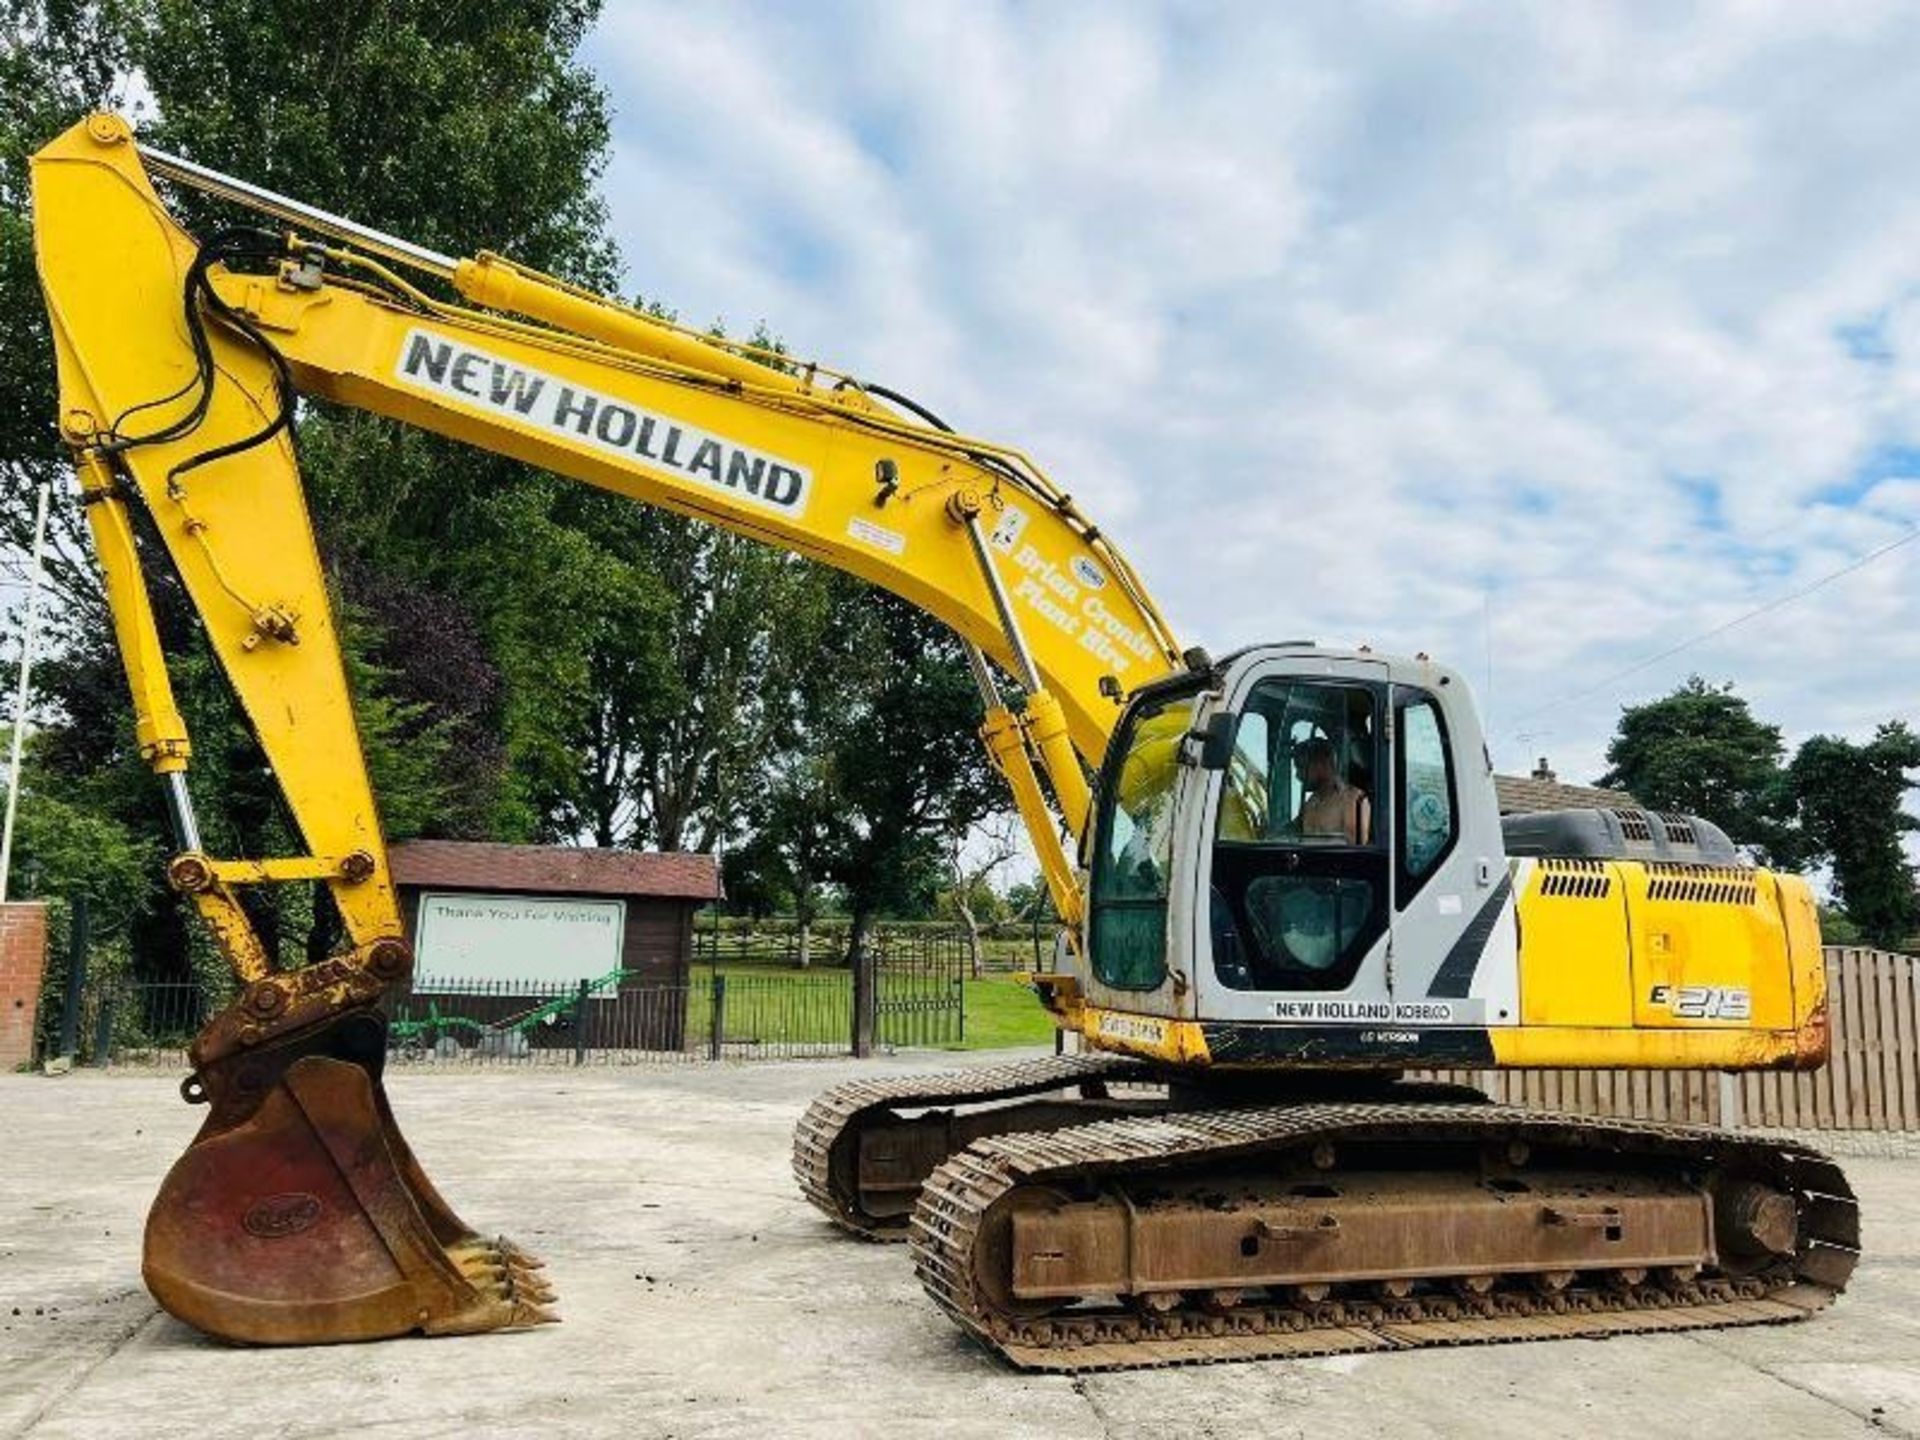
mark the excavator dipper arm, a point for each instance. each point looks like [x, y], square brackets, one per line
[299, 1214]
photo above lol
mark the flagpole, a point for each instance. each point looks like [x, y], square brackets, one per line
[20, 691]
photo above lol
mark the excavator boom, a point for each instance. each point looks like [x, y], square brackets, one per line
[299, 1213]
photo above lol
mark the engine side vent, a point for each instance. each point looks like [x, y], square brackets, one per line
[1679, 829]
[1634, 825]
[1572, 879]
[1701, 884]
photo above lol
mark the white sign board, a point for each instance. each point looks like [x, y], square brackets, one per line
[502, 939]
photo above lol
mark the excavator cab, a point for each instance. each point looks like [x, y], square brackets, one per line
[1297, 860]
[1300, 850]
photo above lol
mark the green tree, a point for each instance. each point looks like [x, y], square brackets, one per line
[62, 849]
[1850, 801]
[972, 855]
[1837, 928]
[798, 830]
[736, 631]
[696, 652]
[1701, 751]
[1029, 901]
[909, 762]
[463, 129]
[723, 732]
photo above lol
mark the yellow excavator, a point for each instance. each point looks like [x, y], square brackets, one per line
[1287, 886]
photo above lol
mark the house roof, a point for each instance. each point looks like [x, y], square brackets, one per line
[558, 869]
[1530, 794]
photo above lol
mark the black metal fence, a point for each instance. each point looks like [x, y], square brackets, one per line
[138, 1023]
[715, 1016]
[919, 978]
[722, 1013]
[739, 1002]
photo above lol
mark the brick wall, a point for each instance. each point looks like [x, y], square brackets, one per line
[23, 958]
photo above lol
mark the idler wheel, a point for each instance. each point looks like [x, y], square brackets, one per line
[1756, 1219]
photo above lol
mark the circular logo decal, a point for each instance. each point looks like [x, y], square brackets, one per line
[1087, 572]
[279, 1216]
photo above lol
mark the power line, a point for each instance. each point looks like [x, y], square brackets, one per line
[1721, 629]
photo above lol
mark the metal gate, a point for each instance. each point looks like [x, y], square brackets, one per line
[919, 987]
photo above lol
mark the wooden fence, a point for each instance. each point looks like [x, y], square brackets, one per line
[1870, 1082]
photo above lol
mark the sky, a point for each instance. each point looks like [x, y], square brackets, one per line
[1539, 338]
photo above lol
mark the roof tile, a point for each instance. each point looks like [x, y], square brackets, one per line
[561, 869]
[1524, 795]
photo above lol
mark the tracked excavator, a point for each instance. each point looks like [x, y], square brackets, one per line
[1287, 887]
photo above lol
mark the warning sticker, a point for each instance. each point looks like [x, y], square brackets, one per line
[878, 536]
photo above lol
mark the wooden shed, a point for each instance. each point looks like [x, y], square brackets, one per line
[500, 927]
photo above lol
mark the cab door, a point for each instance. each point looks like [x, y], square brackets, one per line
[1294, 916]
[1455, 950]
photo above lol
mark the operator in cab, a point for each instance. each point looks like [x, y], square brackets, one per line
[1332, 809]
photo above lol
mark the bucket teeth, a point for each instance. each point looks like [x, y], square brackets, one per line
[525, 1259]
[532, 1292]
[478, 1259]
[495, 1268]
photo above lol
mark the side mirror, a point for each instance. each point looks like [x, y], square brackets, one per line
[1212, 747]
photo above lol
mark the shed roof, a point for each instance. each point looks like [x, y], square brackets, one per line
[560, 869]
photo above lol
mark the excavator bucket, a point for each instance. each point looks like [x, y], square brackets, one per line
[298, 1216]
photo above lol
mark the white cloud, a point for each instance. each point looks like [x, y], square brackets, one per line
[1346, 318]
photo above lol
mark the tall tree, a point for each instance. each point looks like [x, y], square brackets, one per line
[462, 128]
[459, 126]
[701, 665]
[1850, 800]
[1701, 751]
[972, 856]
[910, 764]
[737, 631]
[798, 831]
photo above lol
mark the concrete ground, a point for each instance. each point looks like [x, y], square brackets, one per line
[704, 1298]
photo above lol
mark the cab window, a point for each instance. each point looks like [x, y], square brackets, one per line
[1429, 816]
[1299, 866]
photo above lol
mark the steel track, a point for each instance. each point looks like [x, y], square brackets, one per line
[947, 1224]
[822, 1141]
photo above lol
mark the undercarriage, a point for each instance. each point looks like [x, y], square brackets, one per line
[1073, 1214]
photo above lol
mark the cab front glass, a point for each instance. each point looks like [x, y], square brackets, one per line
[1133, 842]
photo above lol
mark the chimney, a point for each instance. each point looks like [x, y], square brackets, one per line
[1543, 771]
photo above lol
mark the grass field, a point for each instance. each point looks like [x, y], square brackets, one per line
[780, 1007]
[769, 1010]
[1001, 1012]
